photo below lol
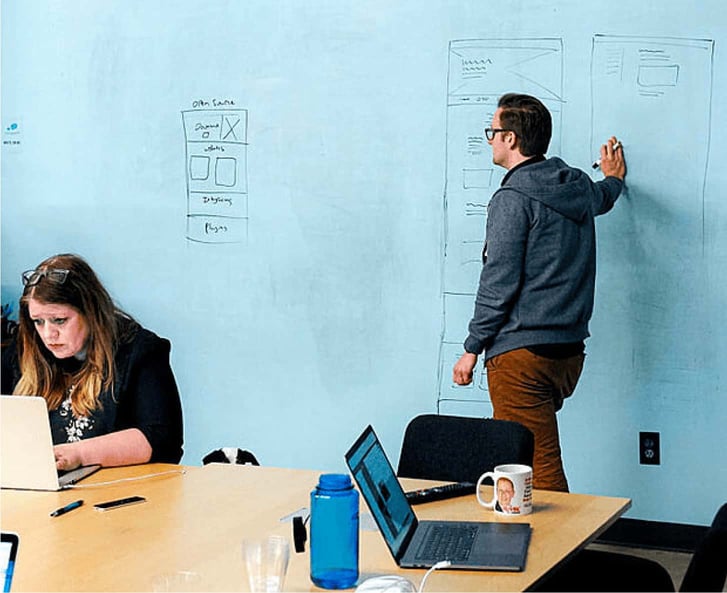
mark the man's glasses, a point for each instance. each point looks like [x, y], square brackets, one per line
[490, 132]
[32, 277]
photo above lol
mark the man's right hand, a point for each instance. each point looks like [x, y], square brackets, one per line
[462, 372]
[612, 161]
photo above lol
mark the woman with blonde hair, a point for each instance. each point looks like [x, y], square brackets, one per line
[111, 394]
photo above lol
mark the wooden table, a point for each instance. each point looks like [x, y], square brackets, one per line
[196, 520]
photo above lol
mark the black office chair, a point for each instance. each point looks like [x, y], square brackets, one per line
[461, 448]
[707, 570]
[596, 570]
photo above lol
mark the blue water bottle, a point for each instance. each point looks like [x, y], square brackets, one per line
[334, 532]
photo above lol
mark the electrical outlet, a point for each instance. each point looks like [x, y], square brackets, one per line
[649, 450]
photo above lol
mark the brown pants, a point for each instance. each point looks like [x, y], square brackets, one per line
[530, 389]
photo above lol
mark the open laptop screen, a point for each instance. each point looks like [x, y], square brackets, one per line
[380, 488]
[27, 461]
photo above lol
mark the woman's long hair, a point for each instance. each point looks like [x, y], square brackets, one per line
[41, 372]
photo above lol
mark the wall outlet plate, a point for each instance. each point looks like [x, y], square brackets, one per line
[649, 448]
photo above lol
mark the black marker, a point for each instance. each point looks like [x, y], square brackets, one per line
[66, 509]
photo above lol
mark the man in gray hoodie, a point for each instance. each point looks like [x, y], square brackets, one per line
[535, 296]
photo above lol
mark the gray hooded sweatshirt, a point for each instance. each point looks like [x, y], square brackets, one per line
[539, 262]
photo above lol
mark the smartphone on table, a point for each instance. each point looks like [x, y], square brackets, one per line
[117, 504]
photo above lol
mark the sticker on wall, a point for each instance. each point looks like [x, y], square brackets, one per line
[12, 134]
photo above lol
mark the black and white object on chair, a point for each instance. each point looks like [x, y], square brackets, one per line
[230, 455]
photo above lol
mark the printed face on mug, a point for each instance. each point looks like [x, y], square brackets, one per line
[512, 492]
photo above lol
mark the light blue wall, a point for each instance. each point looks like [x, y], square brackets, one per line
[306, 280]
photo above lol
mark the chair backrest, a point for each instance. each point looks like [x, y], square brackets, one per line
[461, 448]
[707, 570]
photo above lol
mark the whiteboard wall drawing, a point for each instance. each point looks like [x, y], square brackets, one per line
[658, 91]
[643, 84]
[480, 71]
[216, 157]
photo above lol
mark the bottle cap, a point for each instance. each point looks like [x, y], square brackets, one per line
[334, 481]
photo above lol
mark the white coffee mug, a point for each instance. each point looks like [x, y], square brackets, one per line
[513, 491]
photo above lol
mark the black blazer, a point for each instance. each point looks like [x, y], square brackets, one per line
[145, 396]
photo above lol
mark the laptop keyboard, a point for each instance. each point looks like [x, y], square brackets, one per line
[447, 542]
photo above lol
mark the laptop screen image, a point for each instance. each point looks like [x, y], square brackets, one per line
[377, 482]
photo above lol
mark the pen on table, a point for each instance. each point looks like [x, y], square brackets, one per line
[69, 507]
[597, 163]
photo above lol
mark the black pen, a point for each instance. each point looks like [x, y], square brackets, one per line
[66, 509]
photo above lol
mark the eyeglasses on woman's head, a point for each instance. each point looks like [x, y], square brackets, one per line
[33, 277]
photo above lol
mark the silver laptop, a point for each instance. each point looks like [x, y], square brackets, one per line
[27, 461]
[470, 545]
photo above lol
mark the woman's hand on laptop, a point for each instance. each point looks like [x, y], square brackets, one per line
[68, 456]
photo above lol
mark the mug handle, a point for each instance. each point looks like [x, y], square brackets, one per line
[487, 504]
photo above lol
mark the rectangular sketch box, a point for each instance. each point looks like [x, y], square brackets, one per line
[199, 167]
[477, 178]
[658, 75]
[216, 229]
[228, 204]
[225, 171]
[211, 125]
[481, 70]
[455, 407]
[216, 167]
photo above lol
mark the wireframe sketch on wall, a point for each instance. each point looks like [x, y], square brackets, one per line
[479, 72]
[216, 165]
[658, 92]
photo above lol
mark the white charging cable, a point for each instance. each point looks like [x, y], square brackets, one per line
[438, 565]
[131, 479]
